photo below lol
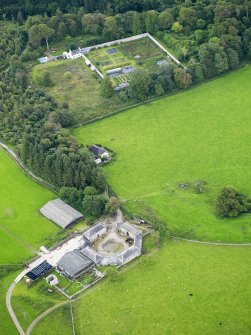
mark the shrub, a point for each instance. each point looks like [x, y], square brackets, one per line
[68, 75]
[231, 203]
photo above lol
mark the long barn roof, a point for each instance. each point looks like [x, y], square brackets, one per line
[59, 212]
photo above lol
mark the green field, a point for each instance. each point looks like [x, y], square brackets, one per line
[29, 302]
[81, 91]
[22, 228]
[198, 135]
[183, 289]
[6, 323]
[56, 323]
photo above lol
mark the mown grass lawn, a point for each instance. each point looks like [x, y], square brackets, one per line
[22, 228]
[202, 134]
[182, 289]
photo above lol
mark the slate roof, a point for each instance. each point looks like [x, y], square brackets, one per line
[92, 254]
[110, 260]
[74, 263]
[132, 230]
[61, 213]
[94, 230]
[138, 241]
[96, 150]
[129, 254]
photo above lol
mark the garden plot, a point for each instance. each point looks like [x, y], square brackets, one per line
[140, 53]
[75, 286]
[141, 49]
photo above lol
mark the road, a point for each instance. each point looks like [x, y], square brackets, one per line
[8, 302]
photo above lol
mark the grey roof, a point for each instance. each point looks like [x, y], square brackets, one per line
[129, 254]
[131, 229]
[128, 69]
[138, 241]
[94, 230]
[92, 254]
[96, 150]
[59, 212]
[110, 260]
[74, 262]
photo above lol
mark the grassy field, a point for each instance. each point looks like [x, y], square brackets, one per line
[56, 323]
[6, 324]
[183, 289]
[22, 228]
[81, 90]
[30, 302]
[198, 135]
[22, 231]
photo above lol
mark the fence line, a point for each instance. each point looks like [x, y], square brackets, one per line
[72, 320]
[25, 169]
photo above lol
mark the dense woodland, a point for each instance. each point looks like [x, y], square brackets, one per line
[36, 124]
[211, 37]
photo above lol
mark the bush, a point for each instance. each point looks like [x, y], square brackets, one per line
[231, 203]
[68, 75]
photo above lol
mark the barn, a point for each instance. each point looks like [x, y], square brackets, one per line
[74, 263]
[60, 213]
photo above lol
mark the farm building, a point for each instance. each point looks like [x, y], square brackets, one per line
[73, 264]
[60, 213]
[92, 254]
[99, 258]
[95, 232]
[128, 230]
[98, 152]
[129, 254]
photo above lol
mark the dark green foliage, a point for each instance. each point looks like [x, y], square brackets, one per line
[231, 203]
[182, 78]
[112, 206]
[42, 78]
[140, 85]
[94, 204]
[34, 123]
[72, 196]
[107, 90]
[213, 59]
[7, 269]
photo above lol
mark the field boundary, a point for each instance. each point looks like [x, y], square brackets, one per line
[212, 243]
[25, 169]
[154, 98]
